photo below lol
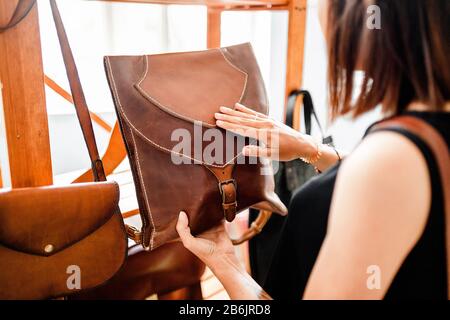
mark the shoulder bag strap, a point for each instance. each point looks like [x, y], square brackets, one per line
[82, 109]
[22, 9]
[431, 137]
[78, 96]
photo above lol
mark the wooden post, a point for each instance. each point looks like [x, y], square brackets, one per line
[26, 122]
[296, 47]
[213, 32]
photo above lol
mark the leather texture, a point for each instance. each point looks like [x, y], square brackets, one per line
[48, 233]
[163, 270]
[155, 95]
[143, 268]
[45, 230]
[431, 137]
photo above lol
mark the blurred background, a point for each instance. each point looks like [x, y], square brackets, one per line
[99, 28]
[96, 29]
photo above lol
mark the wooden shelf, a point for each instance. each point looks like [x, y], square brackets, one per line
[25, 113]
[26, 123]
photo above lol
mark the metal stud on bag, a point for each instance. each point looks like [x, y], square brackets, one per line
[48, 248]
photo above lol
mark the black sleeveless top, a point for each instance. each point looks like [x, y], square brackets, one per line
[423, 274]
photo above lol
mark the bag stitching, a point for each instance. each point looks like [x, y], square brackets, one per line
[66, 246]
[174, 113]
[266, 99]
[152, 142]
[153, 232]
[235, 67]
[135, 151]
[143, 217]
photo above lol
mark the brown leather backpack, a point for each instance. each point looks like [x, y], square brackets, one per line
[156, 96]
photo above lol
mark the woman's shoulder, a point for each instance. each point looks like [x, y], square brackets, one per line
[438, 120]
[388, 150]
[397, 151]
[387, 157]
[389, 172]
[384, 157]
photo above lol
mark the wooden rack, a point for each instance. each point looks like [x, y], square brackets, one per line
[23, 81]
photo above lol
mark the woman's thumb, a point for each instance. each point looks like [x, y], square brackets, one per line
[183, 229]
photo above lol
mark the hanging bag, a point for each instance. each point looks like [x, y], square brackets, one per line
[160, 98]
[55, 240]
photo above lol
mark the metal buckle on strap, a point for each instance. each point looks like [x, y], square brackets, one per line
[230, 206]
[134, 234]
[224, 183]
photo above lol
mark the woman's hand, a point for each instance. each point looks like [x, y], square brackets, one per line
[281, 142]
[213, 247]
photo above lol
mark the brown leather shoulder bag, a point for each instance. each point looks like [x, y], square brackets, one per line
[55, 240]
[160, 98]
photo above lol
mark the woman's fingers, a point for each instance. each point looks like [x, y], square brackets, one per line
[184, 231]
[255, 151]
[234, 112]
[240, 129]
[250, 122]
[244, 109]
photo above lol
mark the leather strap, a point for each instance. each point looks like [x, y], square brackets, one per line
[133, 233]
[82, 109]
[78, 96]
[439, 148]
[22, 9]
[255, 228]
[308, 110]
[228, 190]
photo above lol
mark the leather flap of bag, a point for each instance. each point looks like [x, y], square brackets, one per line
[45, 220]
[192, 85]
[161, 97]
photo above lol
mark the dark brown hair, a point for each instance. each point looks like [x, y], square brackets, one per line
[404, 61]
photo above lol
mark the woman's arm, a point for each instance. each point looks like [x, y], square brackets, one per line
[281, 142]
[329, 157]
[215, 249]
[236, 281]
[379, 210]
